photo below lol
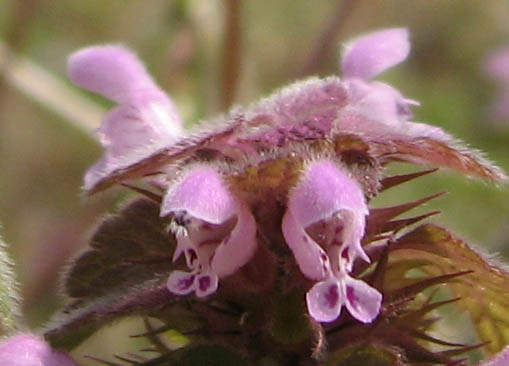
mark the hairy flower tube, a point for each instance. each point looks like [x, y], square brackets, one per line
[145, 118]
[323, 226]
[215, 231]
[28, 350]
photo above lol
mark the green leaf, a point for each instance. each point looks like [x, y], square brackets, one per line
[9, 300]
[124, 273]
[483, 292]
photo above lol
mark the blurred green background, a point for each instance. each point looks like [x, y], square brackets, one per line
[208, 54]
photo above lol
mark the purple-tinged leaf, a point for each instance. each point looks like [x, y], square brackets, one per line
[437, 152]
[123, 273]
[396, 180]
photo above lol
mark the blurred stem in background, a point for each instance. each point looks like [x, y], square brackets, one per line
[17, 31]
[232, 52]
[326, 41]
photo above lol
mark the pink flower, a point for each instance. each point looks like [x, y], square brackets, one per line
[215, 230]
[28, 350]
[323, 226]
[365, 58]
[144, 120]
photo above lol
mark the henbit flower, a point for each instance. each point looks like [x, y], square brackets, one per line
[215, 230]
[365, 58]
[145, 118]
[28, 350]
[323, 226]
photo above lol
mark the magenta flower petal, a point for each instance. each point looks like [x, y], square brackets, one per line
[324, 190]
[374, 53]
[240, 245]
[379, 102]
[311, 258]
[202, 194]
[206, 284]
[325, 300]
[181, 283]
[361, 300]
[28, 350]
[112, 71]
[215, 230]
[330, 204]
[145, 119]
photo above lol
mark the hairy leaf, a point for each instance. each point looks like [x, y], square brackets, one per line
[448, 154]
[127, 249]
[483, 292]
[124, 273]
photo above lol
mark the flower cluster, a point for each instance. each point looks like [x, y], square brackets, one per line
[216, 181]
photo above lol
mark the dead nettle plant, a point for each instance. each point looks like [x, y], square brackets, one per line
[253, 238]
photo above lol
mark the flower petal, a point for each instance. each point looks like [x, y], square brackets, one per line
[203, 194]
[206, 284]
[324, 300]
[112, 71]
[310, 257]
[181, 283]
[374, 53]
[361, 300]
[239, 246]
[28, 350]
[379, 102]
[323, 191]
[145, 120]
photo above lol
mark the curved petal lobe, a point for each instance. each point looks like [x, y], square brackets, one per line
[376, 52]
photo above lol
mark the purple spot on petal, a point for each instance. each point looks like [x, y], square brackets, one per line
[192, 257]
[204, 283]
[206, 226]
[338, 229]
[305, 238]
[332, 296]
[345, 254]
[352, 299]
[336, 243]
[185, 283]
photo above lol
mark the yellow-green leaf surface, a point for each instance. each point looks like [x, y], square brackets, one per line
[484, 293]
